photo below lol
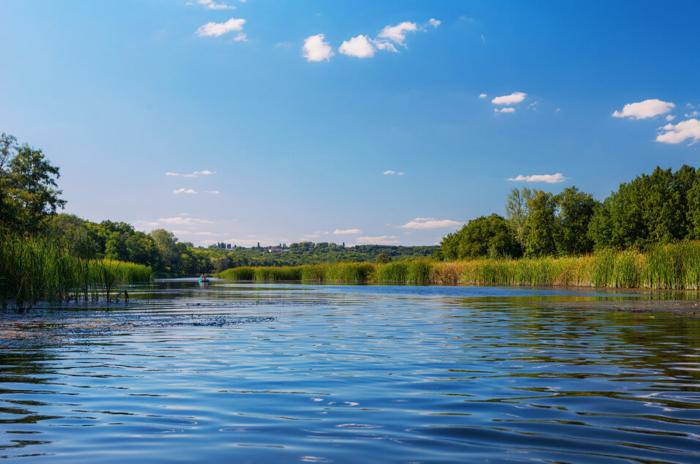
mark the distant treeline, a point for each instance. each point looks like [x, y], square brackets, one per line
[672, 266]
[651, 210]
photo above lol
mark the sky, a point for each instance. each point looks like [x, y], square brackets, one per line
[387, 122]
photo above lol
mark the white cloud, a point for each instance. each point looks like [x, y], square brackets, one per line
[212, 5]
[378, 240]
[218, 29]
[507, 109]
[644, 109]
[483, 95]
[397, 33]
[183, 220]
[359, 47]
[430, 224]
[316, 48]
[391, 172]
[678, 133]
[669, 117]
[434, 22]
[184, 191]
[202, 173]
[512, 99]
[555, 178]
[347, 231]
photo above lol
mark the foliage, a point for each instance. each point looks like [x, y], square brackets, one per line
[483, 236]
[28, 187]
[540, 227]
[37, 269]
[651, 209]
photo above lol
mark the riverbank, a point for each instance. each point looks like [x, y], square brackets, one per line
[36, 269]
[667, 267]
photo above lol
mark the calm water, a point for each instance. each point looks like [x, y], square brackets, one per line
[243, 373]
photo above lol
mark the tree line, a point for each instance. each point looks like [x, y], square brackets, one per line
[657, 208]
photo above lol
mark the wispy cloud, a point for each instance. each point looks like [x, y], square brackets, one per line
[390, 38]
[185, 191]
[430, 224]
[316, 48]
[511, 99]
[202, 173]
[394, 35]
[507, 109]
[483, 96]
[378, 240]
[347, 231]
[391, 172]
[644, 109]
[183, 220]
[213, 29]
[678, 133]
[555, 178]
[212, 5]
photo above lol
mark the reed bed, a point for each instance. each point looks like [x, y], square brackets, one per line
[35, 269]
[670, 267]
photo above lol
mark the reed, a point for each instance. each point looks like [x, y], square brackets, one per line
[674, 266]
[37, 269]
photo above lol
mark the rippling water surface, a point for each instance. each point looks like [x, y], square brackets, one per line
[274, 373]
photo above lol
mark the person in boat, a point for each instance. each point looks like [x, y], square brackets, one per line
[203, 278]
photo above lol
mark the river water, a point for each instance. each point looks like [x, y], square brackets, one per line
[297, 373]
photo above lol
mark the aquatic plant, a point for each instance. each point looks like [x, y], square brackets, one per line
[672, 266]
[37, 269]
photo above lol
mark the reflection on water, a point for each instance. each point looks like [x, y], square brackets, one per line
[280, 373]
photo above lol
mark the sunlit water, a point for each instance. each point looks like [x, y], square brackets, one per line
[245, 373]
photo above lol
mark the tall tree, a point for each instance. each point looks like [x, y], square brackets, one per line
[517, 210]
[575, 213]
[540, 228]
[28, 186]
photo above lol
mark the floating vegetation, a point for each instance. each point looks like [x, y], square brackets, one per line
[672, 267]
[37, 269]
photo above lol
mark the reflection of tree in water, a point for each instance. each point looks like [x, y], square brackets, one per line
[654, 351]
[667, 342]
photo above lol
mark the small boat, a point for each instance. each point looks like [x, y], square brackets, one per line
[203, 280]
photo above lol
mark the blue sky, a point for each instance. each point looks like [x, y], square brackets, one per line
[283, 121]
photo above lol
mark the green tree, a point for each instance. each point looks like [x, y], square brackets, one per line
[29, 191]
[483, 236]
[575, 213]
[517, 211]
[168, 251]
[541, 226]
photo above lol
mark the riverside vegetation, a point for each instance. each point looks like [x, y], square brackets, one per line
[671, 266]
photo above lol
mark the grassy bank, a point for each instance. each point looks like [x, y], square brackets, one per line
[33, 270]
[675, 266]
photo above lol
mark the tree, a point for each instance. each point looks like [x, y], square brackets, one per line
[29, 191]
[575, 213]
[168, 251]
[483, 236]
[651, 209]
[540, 228]
[517, 210]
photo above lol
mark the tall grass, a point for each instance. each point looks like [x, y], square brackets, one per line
[36, 269]
[674, 266]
